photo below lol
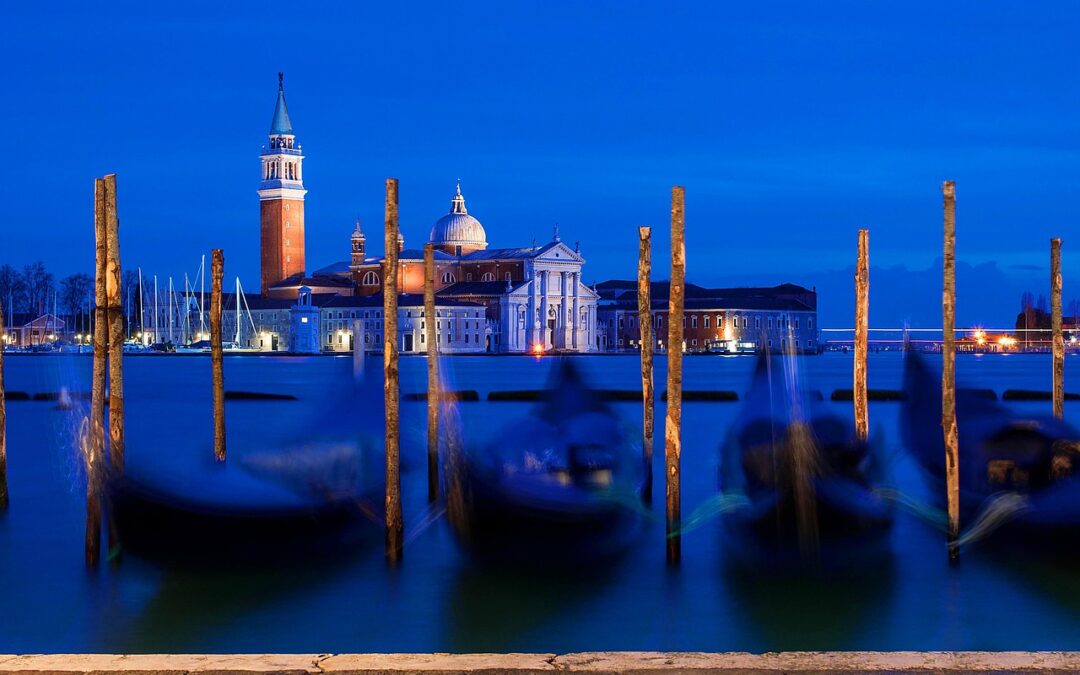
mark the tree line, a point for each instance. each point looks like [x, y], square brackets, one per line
[33, 290]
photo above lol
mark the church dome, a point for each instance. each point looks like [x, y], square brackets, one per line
[458, 228]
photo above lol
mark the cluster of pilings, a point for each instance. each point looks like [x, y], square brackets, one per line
[948, 351]
[107, 384]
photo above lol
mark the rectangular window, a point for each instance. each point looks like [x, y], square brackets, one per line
[809, 323]
[693, 320]
[796, 323]
[706, 321]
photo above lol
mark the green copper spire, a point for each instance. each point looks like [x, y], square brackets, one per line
[281, 124]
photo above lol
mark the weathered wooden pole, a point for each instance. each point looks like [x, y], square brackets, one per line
[217, 365]
[862, 325]
[3, 418]
[644, 295]
[114, 306]
[94, 447]
[673, 422]
[395, 528]
[948, 369]
[430, 336]
[358, 351]
[1055, 325]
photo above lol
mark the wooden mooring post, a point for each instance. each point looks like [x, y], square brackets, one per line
[673, 422]
[431, 337]
[3, 418]
[948, 369]
[358, 349]
[862, 326]
[217, 365]
[647, 344]
[94, 447]
[114, 305]
[1055, 325]
[395, 529]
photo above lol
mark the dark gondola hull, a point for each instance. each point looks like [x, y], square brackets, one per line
[559, 487]
[159, 526]
[1002, 454]
[813, 492]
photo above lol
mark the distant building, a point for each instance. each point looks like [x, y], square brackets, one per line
[317, 323]
[530, 298]
[281, 200]
[33, 330]
[533, 297]
[779, 318]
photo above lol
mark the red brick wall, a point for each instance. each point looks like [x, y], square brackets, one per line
[282, 229]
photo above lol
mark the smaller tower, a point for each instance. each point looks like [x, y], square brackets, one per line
[358, 240]
[400, 242]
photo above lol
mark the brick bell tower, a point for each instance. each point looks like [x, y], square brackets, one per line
[281, 199]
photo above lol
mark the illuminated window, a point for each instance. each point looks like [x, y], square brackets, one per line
[370, 279]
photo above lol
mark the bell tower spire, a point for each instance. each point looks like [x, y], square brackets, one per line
[281, 198]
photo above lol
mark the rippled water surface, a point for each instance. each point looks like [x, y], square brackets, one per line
[437, 600]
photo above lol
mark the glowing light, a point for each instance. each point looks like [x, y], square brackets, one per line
[538, 349]
[1007, 341]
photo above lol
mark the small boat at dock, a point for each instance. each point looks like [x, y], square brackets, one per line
[320, 493]
[807, 492]
[1018, 472]
[560, 486]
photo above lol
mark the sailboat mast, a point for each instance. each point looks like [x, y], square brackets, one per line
[142, 310]
[156, 338]
[169, 309]
[236, 340]
[202, 294]
[187, 310]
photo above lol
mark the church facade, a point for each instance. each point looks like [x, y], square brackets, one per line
[532, 299]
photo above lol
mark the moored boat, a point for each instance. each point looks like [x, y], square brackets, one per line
[559, 486]
[808, 492]
[1017, 471]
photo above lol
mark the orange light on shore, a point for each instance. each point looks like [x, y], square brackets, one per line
[538, 349]
[1007, 341]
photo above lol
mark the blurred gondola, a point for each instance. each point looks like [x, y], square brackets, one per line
[809, 487]
[562, 485]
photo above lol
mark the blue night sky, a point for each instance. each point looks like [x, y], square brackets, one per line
[790, 124]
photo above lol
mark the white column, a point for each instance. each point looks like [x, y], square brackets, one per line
[543, 339]
[530, 315]
[576, 328]
[564, 307]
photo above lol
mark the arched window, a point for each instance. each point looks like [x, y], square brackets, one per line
[507, 276]
[448, 278]
[488, 276]
[370, 279]
[468, 276]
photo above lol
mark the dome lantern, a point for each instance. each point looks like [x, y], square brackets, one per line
[457, 232]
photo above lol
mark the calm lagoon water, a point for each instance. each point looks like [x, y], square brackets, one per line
[437, 600]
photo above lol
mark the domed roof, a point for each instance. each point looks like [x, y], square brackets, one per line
[458, 228]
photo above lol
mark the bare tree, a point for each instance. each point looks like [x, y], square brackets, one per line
[74, 292]
[39, 288]
[12, 290]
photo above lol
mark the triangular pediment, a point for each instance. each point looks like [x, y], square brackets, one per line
[557, 251]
